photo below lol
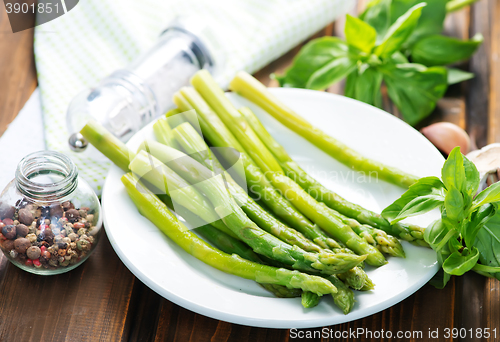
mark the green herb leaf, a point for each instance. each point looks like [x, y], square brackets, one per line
[326, 54]
[414, 88]
[459, 263]
[431, 19]
[365, 86]
[472, 180]
[435, 233]
[359, 34]
[457, 76]
[426, 194]
[454, 204]
[441, 50]
[488, 243]
[453, 172]
[440, 280]
[399, 32]
[478, 219]
[489, 195]
[378, 15]
[455, 5]
[398, 58]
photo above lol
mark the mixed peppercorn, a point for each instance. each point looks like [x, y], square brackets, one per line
[48, 237]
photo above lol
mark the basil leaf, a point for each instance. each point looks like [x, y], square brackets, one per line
[331, 73]
[441, 50]
[454, 204]
[365, 86]
[426, 194]
[488, 243]
[489, 195]
[377, 15]
[414, 88]
[472, 180]
[398, 58]
[453, 171]
[359, 34]
[457, 76]
[435, 233]
[440, 280]
[459, 263]
[399, 32]
[315, 55]
[431, 19]
[478, 219]
[455, 5]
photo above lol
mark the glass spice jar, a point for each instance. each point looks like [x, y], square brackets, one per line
[50, 219]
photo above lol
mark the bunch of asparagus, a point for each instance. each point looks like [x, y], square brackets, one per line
[300, 244]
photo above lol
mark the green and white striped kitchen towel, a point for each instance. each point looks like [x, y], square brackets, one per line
[76, 50]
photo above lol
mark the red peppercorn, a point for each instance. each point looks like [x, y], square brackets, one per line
[8, 221]
[78, 225]
[43, 249]
[46, 254]
[2, 224]
[37, 263]
[28, 262]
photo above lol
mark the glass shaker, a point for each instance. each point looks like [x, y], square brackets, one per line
[128, 99]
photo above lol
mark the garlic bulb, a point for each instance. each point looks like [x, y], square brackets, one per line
[487, 161]
[446, 136]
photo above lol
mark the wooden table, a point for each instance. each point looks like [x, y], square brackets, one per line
[103, 301]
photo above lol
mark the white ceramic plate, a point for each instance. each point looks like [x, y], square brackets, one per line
[188, 282]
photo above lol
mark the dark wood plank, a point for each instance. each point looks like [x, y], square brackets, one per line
[494, 95]
[17, 69]
[479, 87]
[89, 303]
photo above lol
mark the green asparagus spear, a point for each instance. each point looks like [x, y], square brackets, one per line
[230, 245]
[157, 212]
[210, 91]
[214, 95]
[167, 181]
[194, 145]
[163, 132]
[250, 88]
[375, 237]
[323, 217]
[214, 130]
[310, 299]
[113, 148]
[118, 152]
[357, 279]
[344, 298]
[246, 230]
[107, 144]
[327, 196]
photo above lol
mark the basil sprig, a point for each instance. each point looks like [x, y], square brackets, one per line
[467, 237]
[393, 41]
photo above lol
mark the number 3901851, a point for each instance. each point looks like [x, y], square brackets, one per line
[33, 8]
